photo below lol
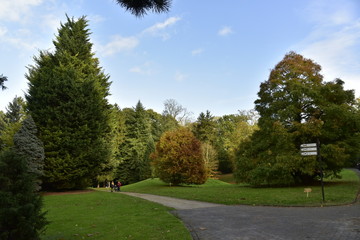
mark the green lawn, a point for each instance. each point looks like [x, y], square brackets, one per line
[337, 192]
[109, 216]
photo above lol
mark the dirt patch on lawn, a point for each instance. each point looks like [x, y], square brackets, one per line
[67, 192]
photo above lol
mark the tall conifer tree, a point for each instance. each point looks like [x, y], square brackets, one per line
[137, 146]
[67, 100]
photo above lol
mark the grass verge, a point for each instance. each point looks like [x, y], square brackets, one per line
[337, 192]
[109, 216]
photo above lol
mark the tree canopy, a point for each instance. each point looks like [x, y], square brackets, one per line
[10, 121]
[296, 106]
[175, 110]
[3, 79]
[140, 7]
[138, 144]
[178, 158]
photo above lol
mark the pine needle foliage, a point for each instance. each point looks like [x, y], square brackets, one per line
[140, 8]
[67, 100]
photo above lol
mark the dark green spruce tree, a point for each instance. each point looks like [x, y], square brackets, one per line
[21, 214]
[205, 127]
[67, 100]
[134, 152]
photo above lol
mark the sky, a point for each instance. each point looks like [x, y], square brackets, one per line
[206, 54]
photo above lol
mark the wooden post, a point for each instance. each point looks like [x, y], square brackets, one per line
[321, 170]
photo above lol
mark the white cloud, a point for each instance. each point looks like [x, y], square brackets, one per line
[118, 44]
[179, 76]
[20, 39]
[163, 25]
[158, 29]
[3, 31]
[224, 31]
[136, 69]
[196, 52]
[331, 12]
[17, 10]
[335, 43]
[96, 18]
[145, 69]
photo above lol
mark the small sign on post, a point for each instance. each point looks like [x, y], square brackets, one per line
[307, 191]
[313, 149]
[308, 149]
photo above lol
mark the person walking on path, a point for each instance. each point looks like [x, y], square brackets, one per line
[118, 185]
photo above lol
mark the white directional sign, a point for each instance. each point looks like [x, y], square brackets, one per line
[308, 145]
[308, 149]
[308, 153]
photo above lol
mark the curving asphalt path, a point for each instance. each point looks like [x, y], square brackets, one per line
[208, 221]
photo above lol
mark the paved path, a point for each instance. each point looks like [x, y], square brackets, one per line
[179, 204]
[208, 221]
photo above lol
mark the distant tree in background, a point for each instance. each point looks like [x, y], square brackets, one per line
[140, 7]
[204, 129]
[3, 79]
[210, 158]
[115, 138]
[10, 121]
[297, 107]
[231, 130]
[138, 144]
[174, 109]
[15, 111]
[178, 158]
[67, 100]
[160, 124]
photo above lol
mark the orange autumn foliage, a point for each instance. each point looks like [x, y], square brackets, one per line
[178, 158]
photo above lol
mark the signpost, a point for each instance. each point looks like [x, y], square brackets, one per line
[313, 149]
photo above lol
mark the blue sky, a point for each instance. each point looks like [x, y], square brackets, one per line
[205, 54]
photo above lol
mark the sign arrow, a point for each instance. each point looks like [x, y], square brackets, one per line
[308, 145]
[308, 153]
[309, 149]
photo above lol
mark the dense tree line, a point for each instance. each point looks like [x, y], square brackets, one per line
[87, 141]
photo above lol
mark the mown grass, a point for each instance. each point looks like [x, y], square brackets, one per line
[337, 192]
[109, 216]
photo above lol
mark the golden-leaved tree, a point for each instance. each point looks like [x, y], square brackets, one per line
[178, 158]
